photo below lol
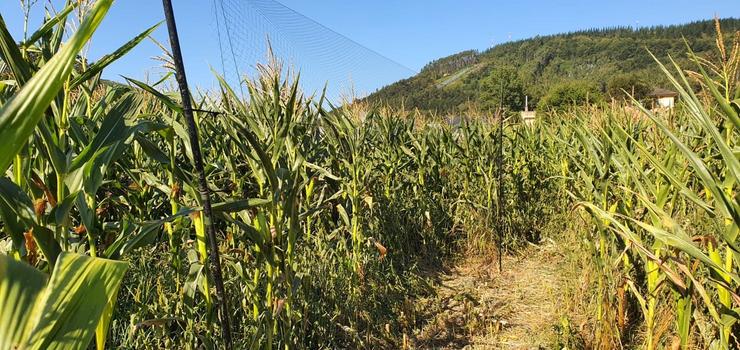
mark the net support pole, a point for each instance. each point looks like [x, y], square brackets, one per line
[501, 196]
[204, 192]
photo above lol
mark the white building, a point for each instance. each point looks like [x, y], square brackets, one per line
[663, 98]
[528, 116]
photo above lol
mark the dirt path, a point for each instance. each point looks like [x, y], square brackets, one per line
[476, 307]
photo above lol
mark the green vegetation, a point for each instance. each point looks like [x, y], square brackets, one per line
[570, 94]
[332, 221]
[597, 57]
[77, 301]
[66, 313]
[626, 86]
[502, 86]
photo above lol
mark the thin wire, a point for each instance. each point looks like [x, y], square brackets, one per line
[343, 36]
[233, 56]
[320, 54]
[220, 44]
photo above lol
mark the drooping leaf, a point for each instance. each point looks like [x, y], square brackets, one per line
[19, 116]
[61, 314]
[20, 287]
[172, 105]
[16, 210]
[239, 205]
[112, 129]
[49, 246]
[68, 313]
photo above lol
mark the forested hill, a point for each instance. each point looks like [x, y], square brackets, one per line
[600, 61]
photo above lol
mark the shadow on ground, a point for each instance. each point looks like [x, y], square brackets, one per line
[478, 307]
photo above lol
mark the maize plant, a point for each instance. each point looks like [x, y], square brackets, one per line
[670, 198]
[328, 215]
[76, 302]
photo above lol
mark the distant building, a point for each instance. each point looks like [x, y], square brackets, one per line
[528, 116]
[663, 98]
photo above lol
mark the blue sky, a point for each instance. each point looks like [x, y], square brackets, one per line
[411, 32]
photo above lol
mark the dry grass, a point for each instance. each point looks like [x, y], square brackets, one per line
[477, 307]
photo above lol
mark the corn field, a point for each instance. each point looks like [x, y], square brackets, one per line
[329, 215]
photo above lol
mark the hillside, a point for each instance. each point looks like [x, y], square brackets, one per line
[596, 58]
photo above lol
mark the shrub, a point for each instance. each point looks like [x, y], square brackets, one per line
[622, 86]
[568, 94]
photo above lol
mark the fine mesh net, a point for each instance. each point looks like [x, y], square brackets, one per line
[247, 28]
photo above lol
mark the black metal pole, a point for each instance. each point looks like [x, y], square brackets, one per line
[501, 197]
[205, 195]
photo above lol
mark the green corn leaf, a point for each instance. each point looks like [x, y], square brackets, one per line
[91, 176]
[63, 313]
[20, 287]
[724, 203]
[152, 150]
[112, 129]
[101, 331]
[106, 60]
[47, 243]
[16, 210]
[60, 212]
[343, 215]
[239, 205]
[265, 160]
[18, 117]
[87, 214]
[163, 78]
[171, 104]
[321, 171]
[682, 244]
[725, 105]
[125, 230]
[147, 126]
[55, 154]
[678, 234]
[49, 24]
[672, 177]
[146, 235]
[630, 236]
[136, 235]
[155, 182]
[12, 56]
[95, 170]
[249, 231]
[181, 133]
[700, 115]
[55, 41]
[76, 296]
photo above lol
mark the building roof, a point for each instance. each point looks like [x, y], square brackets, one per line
[659, 92]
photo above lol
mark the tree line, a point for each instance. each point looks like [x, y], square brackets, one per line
[555, 71]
